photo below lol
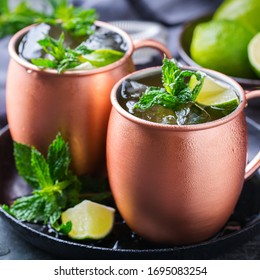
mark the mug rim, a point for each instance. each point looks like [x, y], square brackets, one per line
[193, 127]
[12, 46]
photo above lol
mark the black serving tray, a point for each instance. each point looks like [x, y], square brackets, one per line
[122, 243]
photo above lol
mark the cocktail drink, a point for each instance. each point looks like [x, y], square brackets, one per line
[49, 46]
[177, 151]
[57, 83]
[183, 100]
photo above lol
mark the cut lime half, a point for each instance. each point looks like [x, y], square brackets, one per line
[214, 93]
[89, 220]
[254, 53]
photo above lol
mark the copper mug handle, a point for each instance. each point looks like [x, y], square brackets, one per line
[254, 164]
[149, 43]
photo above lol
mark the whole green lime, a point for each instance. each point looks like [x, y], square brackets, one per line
[246, 11]
[222, 45]
[254, 53]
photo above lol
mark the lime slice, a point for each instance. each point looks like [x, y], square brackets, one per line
[83, 66]
[214, 93]
[89, 220]
[254, 53]
[103, 57]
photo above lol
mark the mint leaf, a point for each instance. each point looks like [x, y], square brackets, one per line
[54, 47]
[77, 21]
[58, 159]
[13, 20]
[6, 208]
[27, 208]
[41, 169]
[66, 58]
[22, 155]
[176, 90]
[56, 187]
[38, 207]
[44, 63]
[169, 72]
[4, 7]
[155, 96]
[63, 228]
[63, 58]
[58, 3]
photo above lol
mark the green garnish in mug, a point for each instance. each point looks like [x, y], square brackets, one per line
[175, 92]
[64, 58]
[187, 97]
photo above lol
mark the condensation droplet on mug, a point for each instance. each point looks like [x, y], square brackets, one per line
[29, 71]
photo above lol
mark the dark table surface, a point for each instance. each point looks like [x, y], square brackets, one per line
[14, 247]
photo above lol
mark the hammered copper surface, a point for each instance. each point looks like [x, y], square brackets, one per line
[176, 184]
[76, 103]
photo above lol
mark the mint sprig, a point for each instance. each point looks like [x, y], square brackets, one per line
[64, 58]
[55, 187]
[176, 90]
[75, 20]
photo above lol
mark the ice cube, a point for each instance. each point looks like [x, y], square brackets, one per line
[29, 47]
[105, 39]
[191, 113]
[157, 114]
[130, 93]
[132, 89]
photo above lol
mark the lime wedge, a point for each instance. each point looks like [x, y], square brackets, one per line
[214, 93]
[103, 57]
[254, 53]
[89, 220]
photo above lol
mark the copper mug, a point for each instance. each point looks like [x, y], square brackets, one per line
[41, 103]
[177, 184]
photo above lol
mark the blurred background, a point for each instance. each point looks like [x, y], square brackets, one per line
[171, 14]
